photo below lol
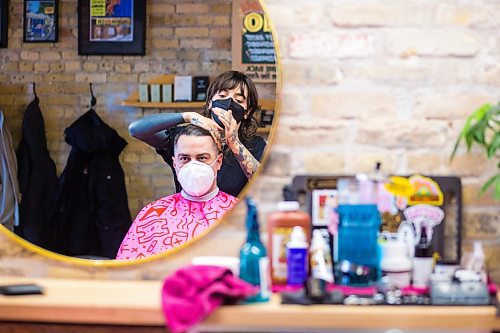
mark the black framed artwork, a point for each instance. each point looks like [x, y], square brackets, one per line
[112, 27]
[40, 23]
[4, 26]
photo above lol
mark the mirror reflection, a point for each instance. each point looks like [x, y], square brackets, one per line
[110, 181]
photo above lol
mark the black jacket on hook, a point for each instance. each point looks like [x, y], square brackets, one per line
[37, 177]
[91, 215]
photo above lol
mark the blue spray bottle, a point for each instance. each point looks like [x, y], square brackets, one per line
[253, 258]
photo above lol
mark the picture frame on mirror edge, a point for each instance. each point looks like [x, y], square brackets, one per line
[4, 26]
[111, 28]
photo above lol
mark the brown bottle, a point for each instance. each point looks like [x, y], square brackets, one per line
[279, 228]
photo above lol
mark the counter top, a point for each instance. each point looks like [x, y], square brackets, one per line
[138, 303]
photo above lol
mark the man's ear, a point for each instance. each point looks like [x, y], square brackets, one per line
[219, 161]
[173, 162]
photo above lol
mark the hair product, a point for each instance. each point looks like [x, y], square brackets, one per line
[279, 226]
[297, 257]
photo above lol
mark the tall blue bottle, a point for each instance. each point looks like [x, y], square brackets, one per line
[253, 258]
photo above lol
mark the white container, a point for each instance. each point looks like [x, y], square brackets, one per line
[183, 88]
[422, 270]
[395, 263]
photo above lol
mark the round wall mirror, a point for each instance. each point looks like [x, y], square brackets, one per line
[183, 39]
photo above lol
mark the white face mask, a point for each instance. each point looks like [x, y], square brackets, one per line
[196, 178]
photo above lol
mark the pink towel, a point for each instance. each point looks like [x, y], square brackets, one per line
[192, 293]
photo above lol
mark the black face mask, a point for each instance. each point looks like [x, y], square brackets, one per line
[228, 104]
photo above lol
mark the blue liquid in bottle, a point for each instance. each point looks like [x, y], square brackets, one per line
[253, 257]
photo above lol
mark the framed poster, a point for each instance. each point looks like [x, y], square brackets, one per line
[111, 27]
[40, 21]
[253, 50]
[322, 204]
[4, 15]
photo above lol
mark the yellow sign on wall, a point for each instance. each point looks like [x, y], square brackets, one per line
[253, 50]
[97, 7]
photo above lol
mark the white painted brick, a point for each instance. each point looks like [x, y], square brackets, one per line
[362, 103]
[388, 13]
[450, 106]
[464, 15]
[328, 45]
[387, 132]
[432, 42]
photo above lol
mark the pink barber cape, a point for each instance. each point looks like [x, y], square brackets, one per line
[170, 222]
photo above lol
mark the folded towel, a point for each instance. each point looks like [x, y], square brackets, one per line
[192, 293]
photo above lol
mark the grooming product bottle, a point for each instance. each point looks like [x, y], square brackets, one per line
[279, 228]
[253, 259]
[320, 259]
[297, 257]
[477, 261]
[423, 263]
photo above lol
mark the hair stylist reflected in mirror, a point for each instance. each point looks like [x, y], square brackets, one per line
[232, 100]
[174, 220]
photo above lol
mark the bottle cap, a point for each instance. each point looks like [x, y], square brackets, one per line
[317, 239]
[297, 238]
[288, 206]
[298, 234]
[478, 248]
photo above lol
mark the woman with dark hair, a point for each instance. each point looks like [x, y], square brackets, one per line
[232, 100]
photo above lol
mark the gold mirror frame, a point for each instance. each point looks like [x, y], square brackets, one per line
[124, 263]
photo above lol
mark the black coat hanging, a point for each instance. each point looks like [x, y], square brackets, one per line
[92, 215]
[37, 177]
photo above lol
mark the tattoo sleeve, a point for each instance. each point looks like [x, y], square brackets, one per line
[248, 163]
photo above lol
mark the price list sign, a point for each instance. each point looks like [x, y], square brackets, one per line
[253, 50]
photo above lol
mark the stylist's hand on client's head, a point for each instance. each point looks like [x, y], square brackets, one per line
[207, 124]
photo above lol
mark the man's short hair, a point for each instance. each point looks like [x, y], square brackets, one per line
[193, 130]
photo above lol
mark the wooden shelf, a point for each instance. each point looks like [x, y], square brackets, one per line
[133, 100]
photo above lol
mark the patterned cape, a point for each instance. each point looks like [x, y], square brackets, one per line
[170, 222]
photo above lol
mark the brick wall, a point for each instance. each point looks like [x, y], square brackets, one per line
[375, 80]
[183, 37]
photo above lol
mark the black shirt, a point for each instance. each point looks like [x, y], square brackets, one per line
[230, 178]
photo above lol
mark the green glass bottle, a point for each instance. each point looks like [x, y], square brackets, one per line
[253, 258]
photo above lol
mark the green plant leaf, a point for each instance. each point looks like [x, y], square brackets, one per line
[494, 180]
[476, 132]
[495, 143]
[470, 129]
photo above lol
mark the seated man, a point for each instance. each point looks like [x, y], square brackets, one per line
[175, 219]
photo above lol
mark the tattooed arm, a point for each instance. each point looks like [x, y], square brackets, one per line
[248, 163]
[151, 129]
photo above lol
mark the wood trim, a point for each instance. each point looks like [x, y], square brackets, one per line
[139, 303]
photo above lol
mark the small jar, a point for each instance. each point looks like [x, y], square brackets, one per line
[395, 264]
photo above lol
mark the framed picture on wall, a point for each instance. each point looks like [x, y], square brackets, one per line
[111, 27]
[40, 21]
[4, 15]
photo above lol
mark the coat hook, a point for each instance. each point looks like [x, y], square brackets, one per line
[34, 89]
[93, 100]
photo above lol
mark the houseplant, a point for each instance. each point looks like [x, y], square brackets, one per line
[483, 127]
